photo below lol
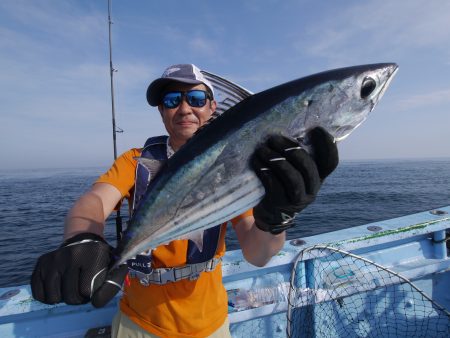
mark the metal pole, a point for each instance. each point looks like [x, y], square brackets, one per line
[111, 73]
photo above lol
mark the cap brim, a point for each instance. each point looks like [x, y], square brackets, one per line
[155, 88]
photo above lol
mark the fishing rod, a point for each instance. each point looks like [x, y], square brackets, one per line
[115, 129]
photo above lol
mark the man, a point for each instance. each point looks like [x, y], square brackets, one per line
[192, 303]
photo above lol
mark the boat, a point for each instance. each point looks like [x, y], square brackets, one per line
[384, 279]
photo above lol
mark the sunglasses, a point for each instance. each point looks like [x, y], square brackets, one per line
[195, 98]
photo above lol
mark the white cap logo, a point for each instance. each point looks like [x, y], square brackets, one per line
[170, 71]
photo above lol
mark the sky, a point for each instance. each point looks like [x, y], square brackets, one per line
[55, 97]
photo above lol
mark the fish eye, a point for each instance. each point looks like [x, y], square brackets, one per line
[367, 87]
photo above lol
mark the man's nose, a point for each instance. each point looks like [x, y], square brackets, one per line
[184, 107]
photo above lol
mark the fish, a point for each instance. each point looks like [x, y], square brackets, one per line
[208, 181]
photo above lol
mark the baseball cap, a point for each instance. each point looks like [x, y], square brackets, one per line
[184, 73]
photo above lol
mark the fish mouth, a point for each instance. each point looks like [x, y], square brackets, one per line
[386, 84]
[389, 80]
[341, 132]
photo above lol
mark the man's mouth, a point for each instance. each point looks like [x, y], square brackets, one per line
[186, 123]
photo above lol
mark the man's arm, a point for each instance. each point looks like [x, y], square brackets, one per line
[91, 210]
[258, 246]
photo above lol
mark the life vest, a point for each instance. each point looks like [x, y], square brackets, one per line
[156, 148]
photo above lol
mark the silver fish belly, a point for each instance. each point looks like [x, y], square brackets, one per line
[209, 180]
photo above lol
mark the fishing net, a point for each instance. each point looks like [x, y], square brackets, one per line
[350, 296]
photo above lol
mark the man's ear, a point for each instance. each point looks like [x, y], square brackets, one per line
[160, 108]
[213, 105]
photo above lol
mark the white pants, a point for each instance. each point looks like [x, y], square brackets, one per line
[124, 327]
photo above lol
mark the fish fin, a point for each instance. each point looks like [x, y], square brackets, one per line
[152, 165]
[197, 238]
[226, 93]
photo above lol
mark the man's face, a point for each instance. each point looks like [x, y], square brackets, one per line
[183, 121]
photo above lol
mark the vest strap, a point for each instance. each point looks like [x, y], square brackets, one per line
[162, 276]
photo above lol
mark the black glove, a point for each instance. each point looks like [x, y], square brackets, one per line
[77, 272]
[291, 177]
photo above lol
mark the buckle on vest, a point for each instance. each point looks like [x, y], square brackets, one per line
[162, 276]
[167, 276]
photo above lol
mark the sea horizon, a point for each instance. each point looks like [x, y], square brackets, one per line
[341, 161]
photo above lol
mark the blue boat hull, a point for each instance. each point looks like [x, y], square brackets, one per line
[413, 246]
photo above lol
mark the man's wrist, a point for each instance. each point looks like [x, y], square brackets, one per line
[274, 229]
[83, 236]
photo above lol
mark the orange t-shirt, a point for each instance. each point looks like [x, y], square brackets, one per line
[181, 309]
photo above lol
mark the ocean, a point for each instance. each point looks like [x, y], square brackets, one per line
[33, 204]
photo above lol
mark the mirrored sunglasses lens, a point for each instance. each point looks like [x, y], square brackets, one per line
[196, 98]
[172, 100]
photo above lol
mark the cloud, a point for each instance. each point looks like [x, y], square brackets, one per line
[427, 100]
[54, 90]
[57, 19]
[379, 27]
[413, 24]
[133, 74]
[203, 46]
[43, 52]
